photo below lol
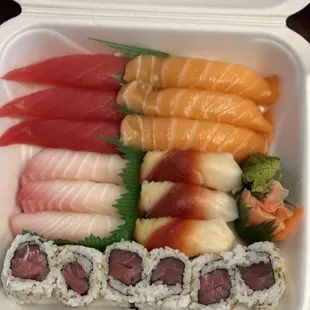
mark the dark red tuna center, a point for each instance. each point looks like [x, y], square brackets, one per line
[29, 262]
[258, 276]
[214, 287]
[76, 277]
[125, 266]
[169, 270]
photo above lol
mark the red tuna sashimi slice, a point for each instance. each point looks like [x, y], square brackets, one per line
[65, 225]
[64, 134]
[70, 196]
[91, 71]
[52, 164]
[65, 103]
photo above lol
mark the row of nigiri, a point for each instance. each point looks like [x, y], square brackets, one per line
[215, 171]
[157, 199]
[99, 71]
[193, 237]
[89, 104]
[87, 100]
[146, 133]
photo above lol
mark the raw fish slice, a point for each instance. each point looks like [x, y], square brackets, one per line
[65, 225]
[65, 103]
[192, 237]
[65, 134]
[181, 72]
[216, 171]
[91, 71]
[51, 164]
[185, 201]
[70, 196]
[156, 133]
[193, 103]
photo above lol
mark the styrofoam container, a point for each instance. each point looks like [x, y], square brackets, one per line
[252, 33]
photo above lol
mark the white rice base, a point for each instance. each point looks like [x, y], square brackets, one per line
[116, 290]
[205, 264]
[257, 253]
[91, 261]
[23, 291]
[170, 303]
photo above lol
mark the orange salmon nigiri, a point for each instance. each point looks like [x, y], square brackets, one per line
[181, 72]
[156, 133]
[192, 237]
[194, 103]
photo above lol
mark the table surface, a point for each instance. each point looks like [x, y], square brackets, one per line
[299, 22]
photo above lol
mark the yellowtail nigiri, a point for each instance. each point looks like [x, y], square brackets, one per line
[65, 225]
[181, 72]
[156, 133]
[194, 103]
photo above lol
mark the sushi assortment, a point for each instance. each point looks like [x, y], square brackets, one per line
[146, 221]
[127, 274]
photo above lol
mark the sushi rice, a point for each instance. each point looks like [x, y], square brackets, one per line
[265, 252]
[23, 291]
[91, 261]
[168, 296]
[117, 291]
[205, 264]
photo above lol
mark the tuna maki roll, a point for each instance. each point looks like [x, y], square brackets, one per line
[213, 284]
[80, 275]
[169, 277]
[125, 266]
[259, 276]
[29, 272]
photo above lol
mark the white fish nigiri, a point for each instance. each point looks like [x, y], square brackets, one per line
[160, 199]
[216, 171]
[52, 164]
[70, 196]
[65, 225]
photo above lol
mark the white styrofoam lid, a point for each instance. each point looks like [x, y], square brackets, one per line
[272, 8]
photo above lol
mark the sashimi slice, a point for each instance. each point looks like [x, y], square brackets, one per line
[65, 103]
[91, 71]
[70, 196]
[65, 134]
[160, 199]
[182, 72]
[51, 164]
[195, 104]
[65, 225]
[161, 133]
